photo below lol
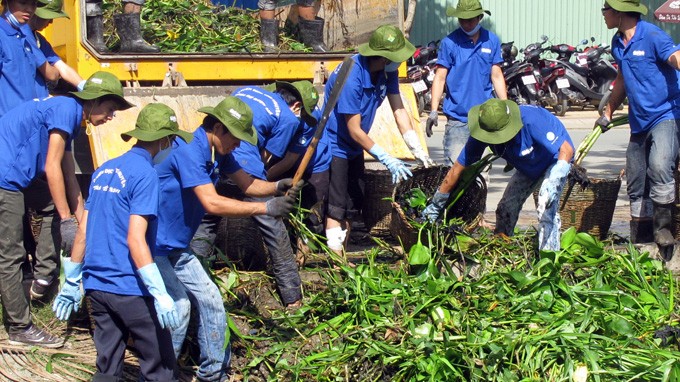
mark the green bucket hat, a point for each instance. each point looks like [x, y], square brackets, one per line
[388, 41]
[102, 84]
[627, 6]
[495, 121]
[50, 9]
[236, 116]
[303, 90]
[467, 9]
[154, 122]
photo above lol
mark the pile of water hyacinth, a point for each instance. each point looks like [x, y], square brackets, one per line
[482, 308]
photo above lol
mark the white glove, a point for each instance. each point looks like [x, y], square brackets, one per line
[413, 143]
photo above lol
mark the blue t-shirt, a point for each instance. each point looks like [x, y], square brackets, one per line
[321, 160]
[468, 82]
[19, 62]
[189, 165]
[358, 96]
[121, 187]
[275, 125]
[24, 136]
[532, 150]
[38, 41]
[651, 84]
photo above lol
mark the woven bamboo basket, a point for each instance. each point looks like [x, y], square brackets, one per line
[590, 210]
[469, 208]
[376, 211]
[241, 241]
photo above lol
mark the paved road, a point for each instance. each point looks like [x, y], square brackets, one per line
[606, 158]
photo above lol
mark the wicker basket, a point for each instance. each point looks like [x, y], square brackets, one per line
[590, 210]
[376, 211]
[241, 241]
[470, 207]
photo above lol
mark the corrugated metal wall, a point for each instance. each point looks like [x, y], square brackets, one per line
[524, 21]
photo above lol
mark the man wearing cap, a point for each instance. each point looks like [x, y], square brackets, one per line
[113, 254]
[45, 267]
[532, 140]
[45, 13]
[648, 61]
[36, 136]
[277, 110]
[468, 65]
[187, 192]
[373, 78]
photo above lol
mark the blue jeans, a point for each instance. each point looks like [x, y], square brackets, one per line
[456, 134]
[186, 280]
[650, 163]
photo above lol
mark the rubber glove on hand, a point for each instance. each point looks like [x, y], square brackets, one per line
[548, 193]
[68, 228]
[603, 122]
[68, 299]
[432, 120]
[397, 168]
[280, 205]
[165, 305]
[413, 143]
[285, 185]
[437, 204]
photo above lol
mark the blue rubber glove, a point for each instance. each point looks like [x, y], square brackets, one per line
[165, 306]
[548, 193]
[81, 85]
[397, 168]
[68, 299]
[437, 204]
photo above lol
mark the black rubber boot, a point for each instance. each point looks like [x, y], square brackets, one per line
[311, 34]
[269, 35]
[641, 231]
[663, 221]
[95, 33]
[129, 28]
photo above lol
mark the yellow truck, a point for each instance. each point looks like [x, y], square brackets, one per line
[188, 81]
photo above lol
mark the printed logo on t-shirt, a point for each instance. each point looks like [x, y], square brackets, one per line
[551, 137]
[527, 151]
[486, 50]
[638, 53]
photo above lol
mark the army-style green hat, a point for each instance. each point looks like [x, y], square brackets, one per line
[303, 90]
[495, 121]
[467, 9]
[236, 116]
[154, 122]
[50, 9]
[388, 41]
[102, 84]
[627, 6]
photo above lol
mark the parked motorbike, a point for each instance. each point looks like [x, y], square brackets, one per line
[420, 72]
[590, 78]
[520, 79]
[550, 78]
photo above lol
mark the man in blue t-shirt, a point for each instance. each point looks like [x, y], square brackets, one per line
[532, 140]
[277, 111]
[187, 192]
[36, 138]
[468, 66]
[648, 61]
[113, 254]
[373, 78]
[45, 257]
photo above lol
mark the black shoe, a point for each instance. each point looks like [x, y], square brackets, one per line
[38, 289]
[34, 336]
